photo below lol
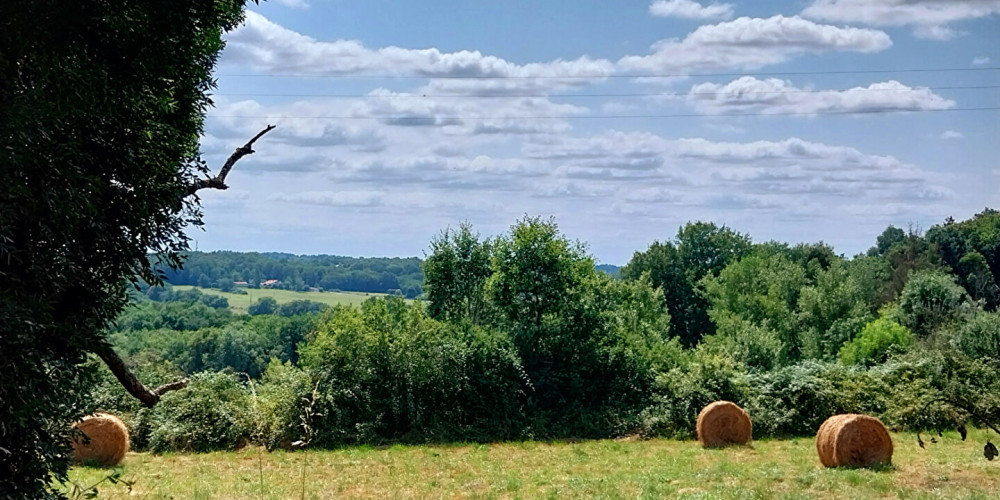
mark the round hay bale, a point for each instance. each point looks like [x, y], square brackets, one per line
[723, 423]
[852, 440]
[106, 441]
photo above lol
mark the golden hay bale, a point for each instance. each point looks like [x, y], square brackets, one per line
[852, 440]
[106, 443]
[723, 424]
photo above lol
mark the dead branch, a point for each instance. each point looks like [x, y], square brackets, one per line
[219, 181]
[149, 397]
[116, 364]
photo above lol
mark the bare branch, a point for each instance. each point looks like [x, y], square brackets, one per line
[131, 383]
[136, 388]
[219, 181]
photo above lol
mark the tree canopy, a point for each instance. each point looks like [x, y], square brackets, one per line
[103, 105]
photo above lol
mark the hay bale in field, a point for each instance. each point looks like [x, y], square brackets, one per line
[852, 440]
[106, 440]
[723, 423]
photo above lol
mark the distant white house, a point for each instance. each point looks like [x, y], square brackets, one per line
[269, 283]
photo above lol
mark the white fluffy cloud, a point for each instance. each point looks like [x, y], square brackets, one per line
[688, 9]
[268, 47]
[748, 43]
[979, 61]
[929, 18]
[951, 134]
[744, 43]
[772, 95]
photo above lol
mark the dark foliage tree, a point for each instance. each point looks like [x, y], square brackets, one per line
[264, 305]
[102, 108]
[889, 238]
[579, 333]
[971, 249]
[701, 248]
[915, 253]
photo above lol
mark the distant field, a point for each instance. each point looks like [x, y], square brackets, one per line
[651, 469]
[240, 302]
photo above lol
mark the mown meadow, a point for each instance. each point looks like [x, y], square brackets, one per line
[625, 468]
[240, 303]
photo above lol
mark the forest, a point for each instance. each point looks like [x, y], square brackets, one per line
[521, 337]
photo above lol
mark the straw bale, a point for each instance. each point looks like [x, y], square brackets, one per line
[107, 440]
[852, 440]
[723, 423]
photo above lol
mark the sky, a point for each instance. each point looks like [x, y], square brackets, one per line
[796, 121]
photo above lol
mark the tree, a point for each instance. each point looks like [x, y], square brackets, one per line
[763, 290]
[577, 346]
[264, 305]
[455, 275]
[701, 248]
[915, 253]
[103, 104]
[978, 279]
[831, 311]
[888, 239]
[971, 249]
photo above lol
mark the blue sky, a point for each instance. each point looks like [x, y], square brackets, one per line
[795, 121]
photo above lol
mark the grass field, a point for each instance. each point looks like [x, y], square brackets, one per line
[240, 302]
[592, 469]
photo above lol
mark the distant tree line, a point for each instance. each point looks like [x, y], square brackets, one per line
[300, 272]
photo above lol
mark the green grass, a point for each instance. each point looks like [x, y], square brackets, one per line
[787, 469]
[240, 302]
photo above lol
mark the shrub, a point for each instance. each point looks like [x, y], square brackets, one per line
[795, 400]
[279, 405]
[933, 389]
[681, 393]
[873, 345]
[297, 307]
[212, 413]
[389, 372]
[754, 347]
[929, 300]
[979, 337]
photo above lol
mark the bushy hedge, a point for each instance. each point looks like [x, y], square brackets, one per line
[283, 404]
[795, 400]
[213, 413]
[681, 392]
[387, 371]
[979, 337]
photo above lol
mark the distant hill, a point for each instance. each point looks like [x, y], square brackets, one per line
[610, 269]
[286, 271]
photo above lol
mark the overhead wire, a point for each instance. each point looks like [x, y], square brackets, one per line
[445, 118]
[599, 76]
[597, 95]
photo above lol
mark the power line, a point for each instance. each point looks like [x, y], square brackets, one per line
[653, 94]
[595, 117]
[599, 76]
